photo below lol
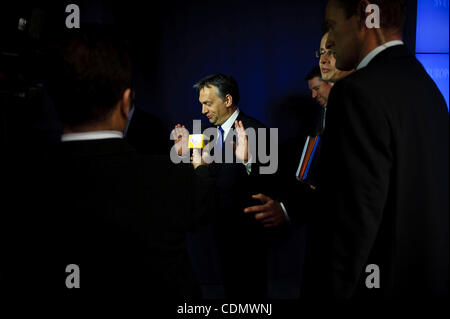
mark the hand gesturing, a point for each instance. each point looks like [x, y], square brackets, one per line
[181, 140]
[241, 149]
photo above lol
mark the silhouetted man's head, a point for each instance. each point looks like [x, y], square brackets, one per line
[350, 37]
[89, 80]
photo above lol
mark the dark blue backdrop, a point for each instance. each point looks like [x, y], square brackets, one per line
[268, 46]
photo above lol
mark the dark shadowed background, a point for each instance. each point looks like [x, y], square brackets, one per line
[267, 46]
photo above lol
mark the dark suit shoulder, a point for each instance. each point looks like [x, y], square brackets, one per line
[391, 63]
[249, 121]
[101, 147]
[396, 83]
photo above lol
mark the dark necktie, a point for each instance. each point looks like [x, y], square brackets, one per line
[324, 115]
[220, 137]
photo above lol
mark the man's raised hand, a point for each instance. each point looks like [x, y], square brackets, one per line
[241, 149]
[181, 140]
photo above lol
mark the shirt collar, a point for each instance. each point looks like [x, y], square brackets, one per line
[130, 115]
[377, 51]
[93, 135]
[229, 123]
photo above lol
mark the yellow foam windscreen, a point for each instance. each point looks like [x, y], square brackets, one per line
[197, 140]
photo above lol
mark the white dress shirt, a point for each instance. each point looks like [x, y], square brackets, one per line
[229, 123]
[93, 135]
[226, 126]
[377, 51]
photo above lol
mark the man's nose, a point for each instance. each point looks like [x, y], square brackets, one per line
[324, 58]
[314, 94]
[204, 110]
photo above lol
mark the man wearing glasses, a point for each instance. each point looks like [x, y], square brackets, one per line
[273, 210]
[327, 62]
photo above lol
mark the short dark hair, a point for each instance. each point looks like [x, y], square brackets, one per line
[392, 12]
[315, 72]
[225, 84]
[88, 73]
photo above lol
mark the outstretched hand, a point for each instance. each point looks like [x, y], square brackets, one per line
[270, 214]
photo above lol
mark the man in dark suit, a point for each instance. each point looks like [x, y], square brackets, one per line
[384, 229]
[118, 216]
[320, 81]
[289, 198]
[320, 89]
[239, 238]
[380, 223]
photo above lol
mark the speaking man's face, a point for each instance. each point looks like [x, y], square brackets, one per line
[344, 36]
[320, 90]
[213, 106]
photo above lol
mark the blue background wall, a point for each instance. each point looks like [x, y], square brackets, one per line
[268, 46]
[432, 41]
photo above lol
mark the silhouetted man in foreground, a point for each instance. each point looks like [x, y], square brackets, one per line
[119, 217]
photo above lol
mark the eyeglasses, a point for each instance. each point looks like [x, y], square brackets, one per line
[321, 52]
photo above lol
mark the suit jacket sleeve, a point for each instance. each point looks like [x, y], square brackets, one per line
[299, 200]
[357, 160]
[262, 181]
[185, 196]
[204, 197]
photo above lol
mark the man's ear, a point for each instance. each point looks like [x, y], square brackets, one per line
[228, 100]
[126, 103]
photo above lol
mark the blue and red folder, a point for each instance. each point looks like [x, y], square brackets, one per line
[309, 150]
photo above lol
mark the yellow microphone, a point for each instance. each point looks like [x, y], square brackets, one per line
[197, 141]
